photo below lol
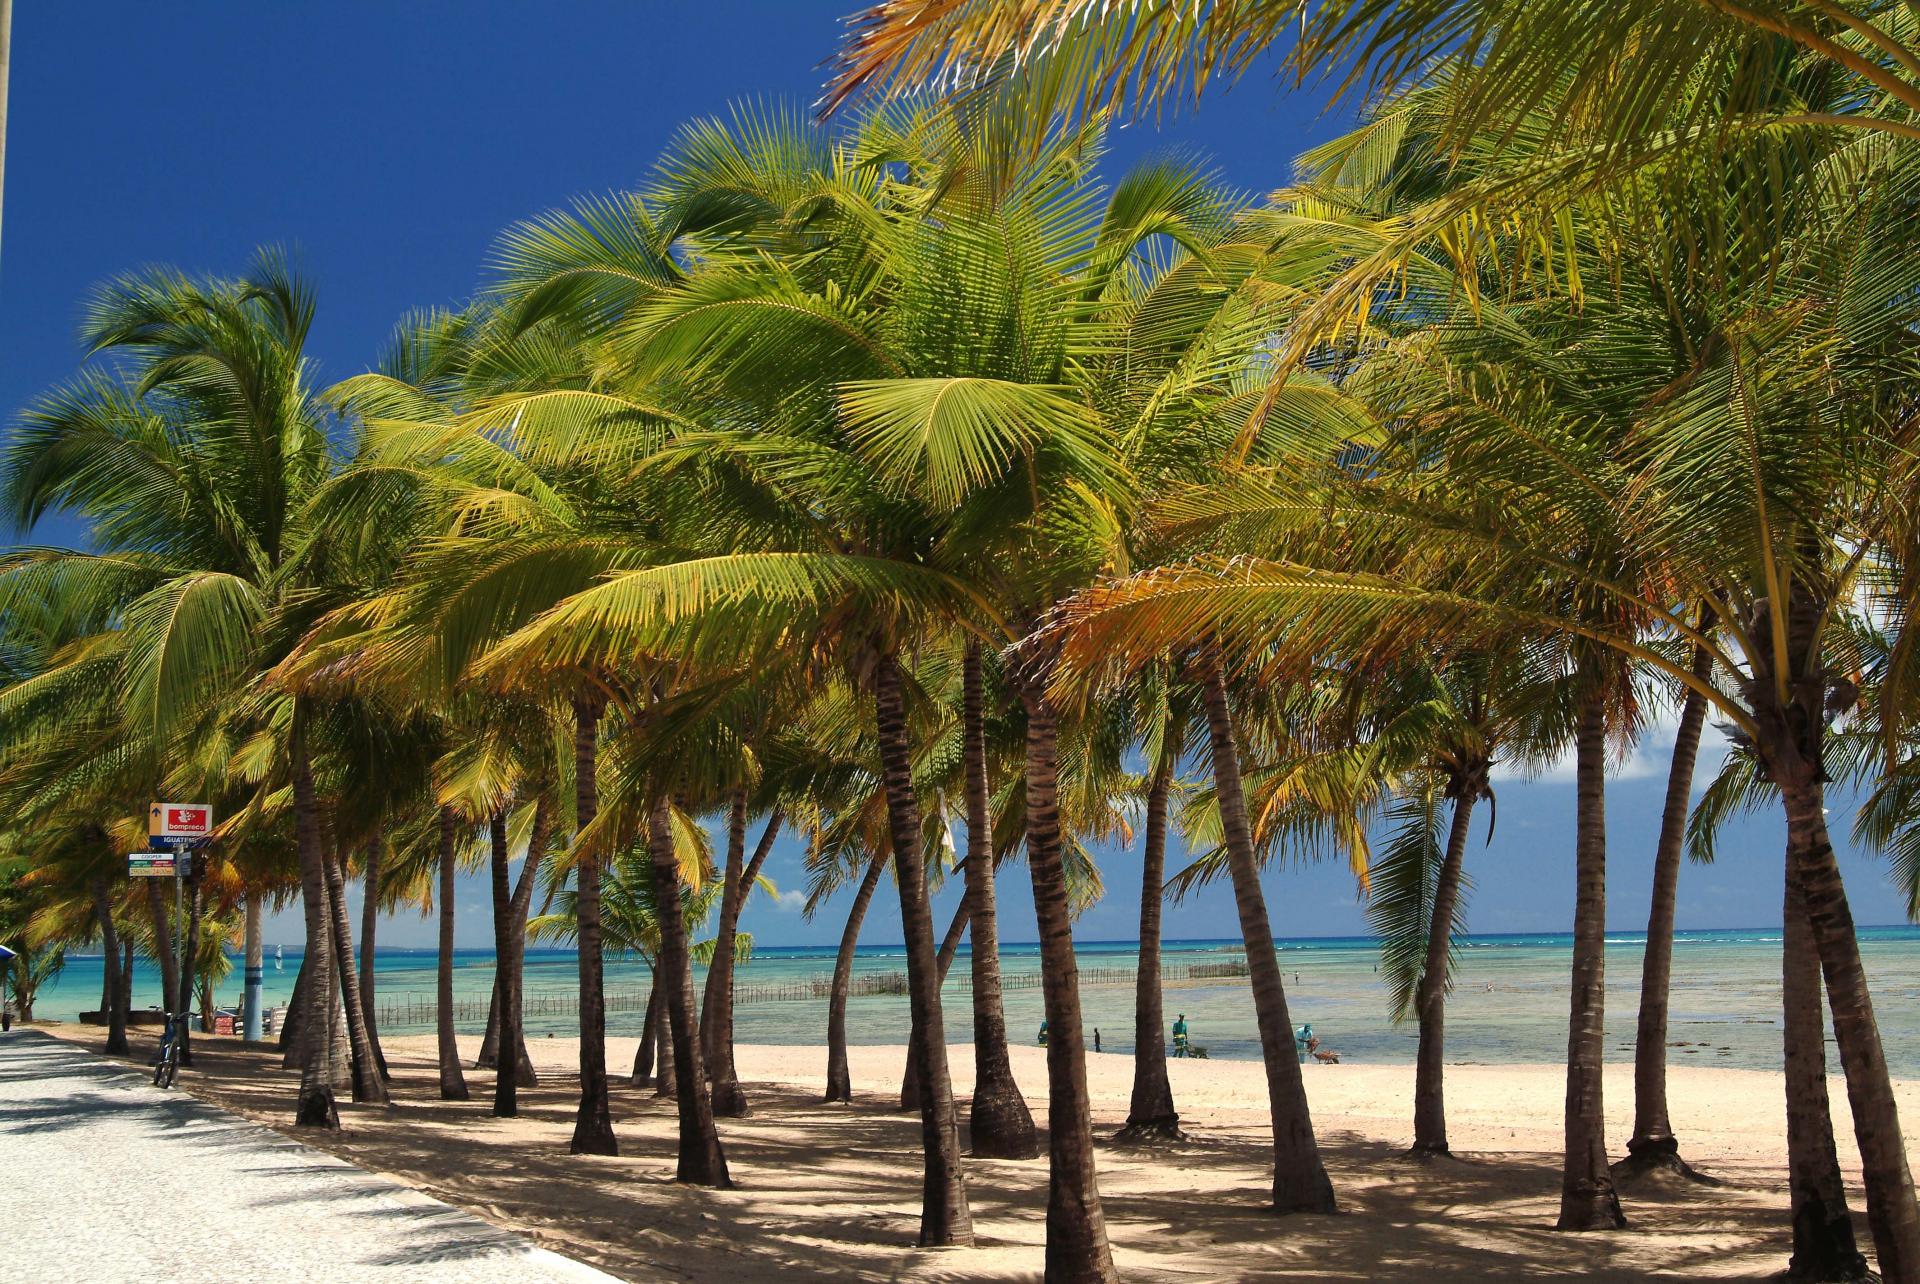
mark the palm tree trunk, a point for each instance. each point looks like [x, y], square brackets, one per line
[164, 955]
[1823, 1243]
[1891, 1213]
[1653, 1144]
[945, 1218]
[511, 970]
[839, 1080]
[316, 1107]
[649, 1035]
[949, 948]
[453, 1083]
[506, 986]
[123, 1001]
[666, 1076]
[1077, 1247]
[538, 841]
[593, 1124]
[702, 1162]
[1151, 1116]
[293, 1030]
[716, 1011]
[1588, 1200]
[999, 1124]
[367, 1085]
[489, 1056]
[1300, 1183]
[369, 924]
[1429, 1078]
[110, 953]
[190, 960]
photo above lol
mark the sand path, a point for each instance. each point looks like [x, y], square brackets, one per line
[109, 1179]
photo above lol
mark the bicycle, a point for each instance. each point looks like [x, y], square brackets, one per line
[166, 1064]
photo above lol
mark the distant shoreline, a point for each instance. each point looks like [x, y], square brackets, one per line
[1619, 936]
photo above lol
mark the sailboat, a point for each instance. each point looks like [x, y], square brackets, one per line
[279, 958]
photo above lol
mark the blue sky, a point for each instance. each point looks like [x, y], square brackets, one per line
[388, 144]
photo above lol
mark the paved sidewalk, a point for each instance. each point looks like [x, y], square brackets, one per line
[104, 1178]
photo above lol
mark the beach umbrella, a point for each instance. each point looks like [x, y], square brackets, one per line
[5, 954]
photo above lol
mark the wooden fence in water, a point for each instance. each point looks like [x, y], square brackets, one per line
[396, 1011]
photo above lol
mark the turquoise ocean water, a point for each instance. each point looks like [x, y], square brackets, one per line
[1509, 1002]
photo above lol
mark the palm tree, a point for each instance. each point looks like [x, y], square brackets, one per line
[193, 461]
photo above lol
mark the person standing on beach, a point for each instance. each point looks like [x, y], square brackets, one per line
[1180, 1035]
[1043, 1032]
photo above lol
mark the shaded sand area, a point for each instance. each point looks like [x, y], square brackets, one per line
[833, 1192]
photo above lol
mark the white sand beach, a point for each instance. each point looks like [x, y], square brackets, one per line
[832, 1192]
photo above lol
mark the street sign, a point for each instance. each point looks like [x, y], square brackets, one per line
[180, 820]
[157, 864]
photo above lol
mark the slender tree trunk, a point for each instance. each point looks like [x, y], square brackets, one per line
[1588, 1200]
[593, 1124]
[666, 1075]
[1151, 1116]
[539, 840]
[716, 1012]
[515, 974]
[192, 961]
[999, 1124]
[489, 1056]
[165, 956]
[367, 1084]
[1077, 1247]
[369, 924]
[110, 954]
[295, 1028]
[1429, 1080]
[839, 1081]
[1823, 1243]
[124, 999]
[949, 948]
[316, 1107]
[254, 971]
[1653, 1144]
[945, 1218]
[453, 1083]
[1300, 1183]
[506, 989]
[701, 1161]
[649, 1035]
[1891, 1212]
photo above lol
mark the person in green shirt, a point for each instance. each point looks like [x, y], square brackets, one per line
[1180, 1035]
[1043, 1032]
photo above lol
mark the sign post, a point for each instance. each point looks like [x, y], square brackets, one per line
[182, 827]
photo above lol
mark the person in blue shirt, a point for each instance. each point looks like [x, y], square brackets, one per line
[1043, 1032]
[1180, 1035]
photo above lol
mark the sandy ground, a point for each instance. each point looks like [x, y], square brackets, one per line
[832, 1192]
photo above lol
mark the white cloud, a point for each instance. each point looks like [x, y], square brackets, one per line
[1652, 756]
[791, 900]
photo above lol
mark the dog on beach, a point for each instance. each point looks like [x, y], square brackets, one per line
[1326, 1056]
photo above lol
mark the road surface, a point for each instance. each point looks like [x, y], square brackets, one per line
[108, 1179]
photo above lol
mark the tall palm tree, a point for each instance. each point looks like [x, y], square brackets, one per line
[192, 460]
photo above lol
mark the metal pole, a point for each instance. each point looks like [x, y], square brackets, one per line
[250, 1005]
[180, 935]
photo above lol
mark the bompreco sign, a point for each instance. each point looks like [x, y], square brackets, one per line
[180, 820]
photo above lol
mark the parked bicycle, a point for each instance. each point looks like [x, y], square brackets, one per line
[167, 1064]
